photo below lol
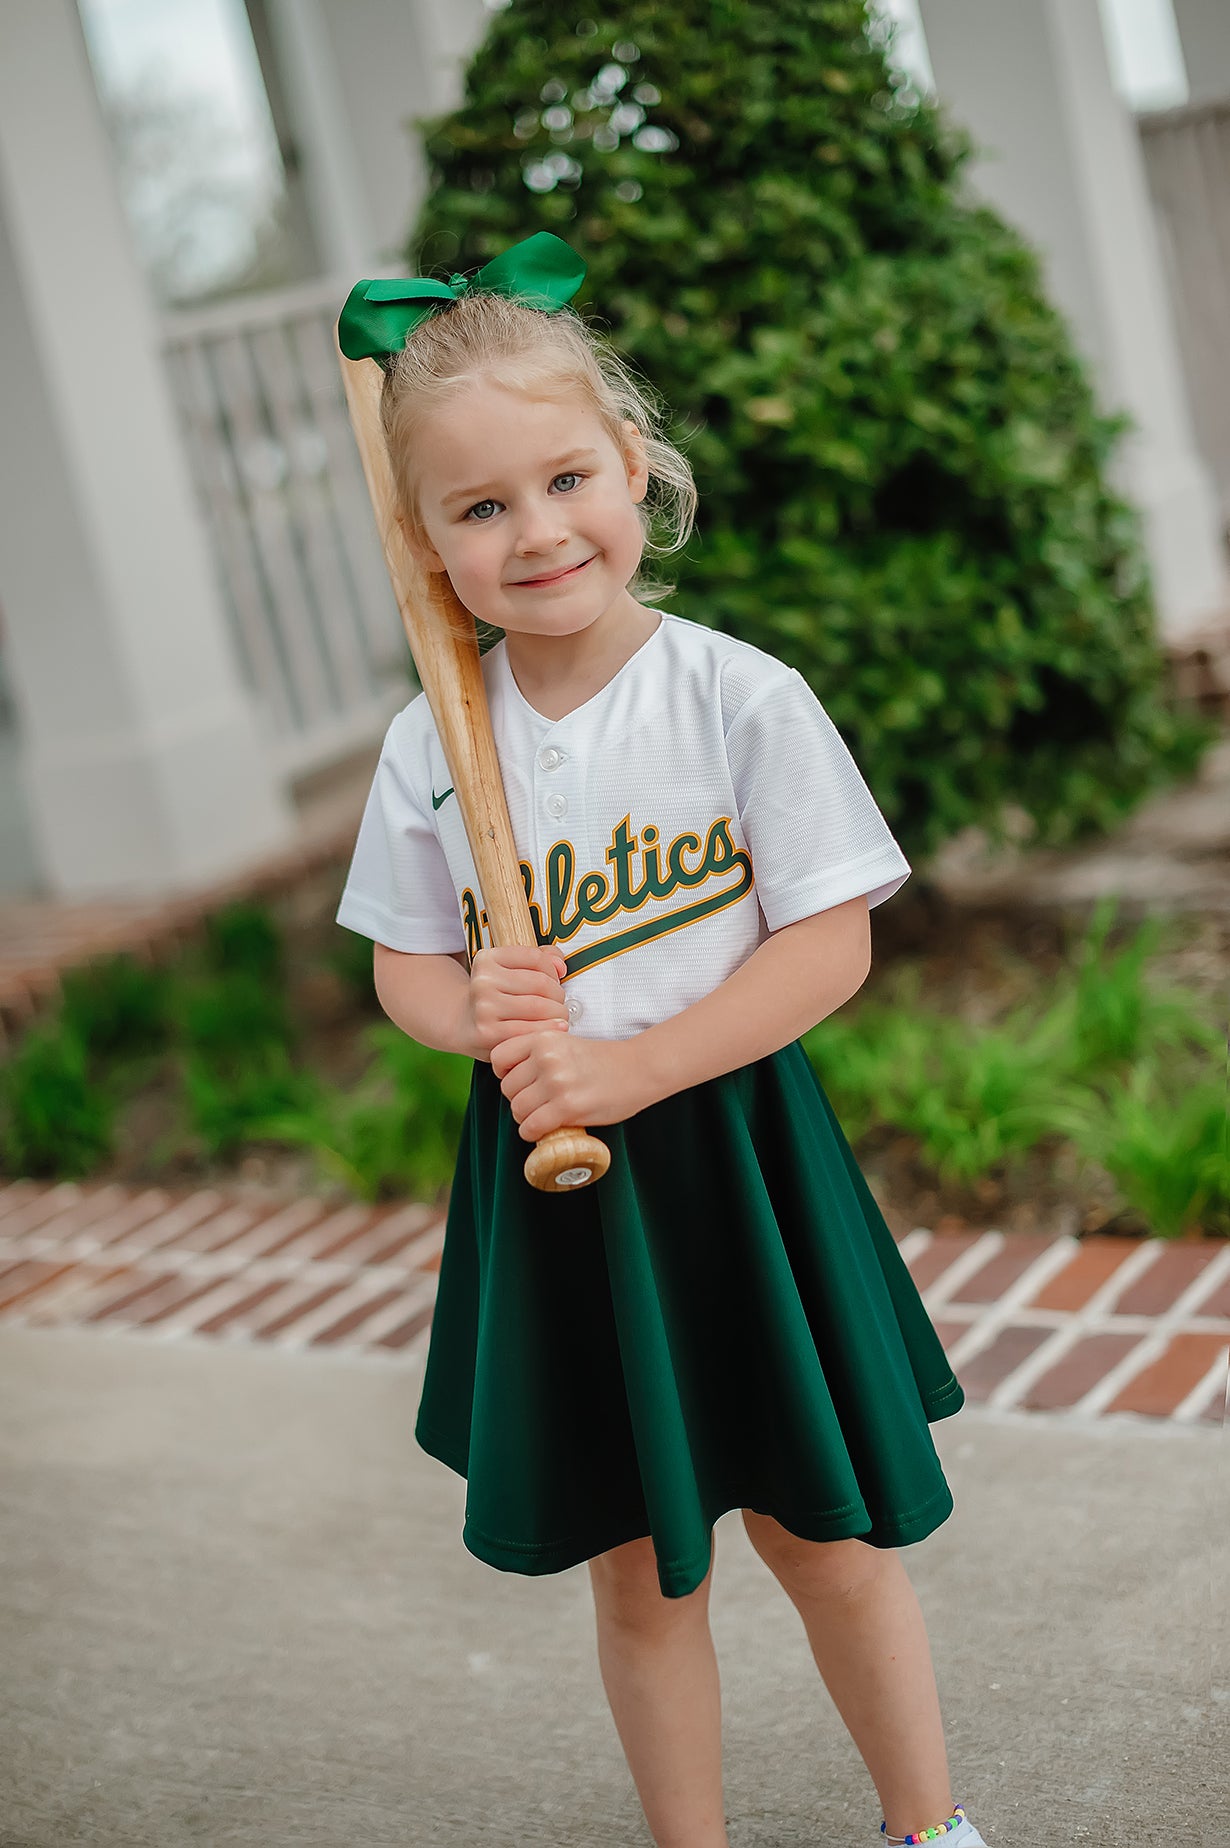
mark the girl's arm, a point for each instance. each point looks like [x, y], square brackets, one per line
[427, 997]
[795, 978]
[440, 1003]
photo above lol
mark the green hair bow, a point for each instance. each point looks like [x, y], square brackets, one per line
[542, 272]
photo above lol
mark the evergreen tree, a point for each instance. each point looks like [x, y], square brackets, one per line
[900, 463]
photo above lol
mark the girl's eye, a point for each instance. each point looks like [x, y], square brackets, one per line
[481, 519]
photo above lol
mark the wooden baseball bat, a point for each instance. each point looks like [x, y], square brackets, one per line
[444, 643]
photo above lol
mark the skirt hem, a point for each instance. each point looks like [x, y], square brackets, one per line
[944, 1401]
[679, 1577]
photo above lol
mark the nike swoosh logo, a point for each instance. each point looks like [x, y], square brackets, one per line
[437, 800]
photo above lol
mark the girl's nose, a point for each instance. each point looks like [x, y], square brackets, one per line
[539, 530]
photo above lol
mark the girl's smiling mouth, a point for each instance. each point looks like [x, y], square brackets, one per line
[556, 577]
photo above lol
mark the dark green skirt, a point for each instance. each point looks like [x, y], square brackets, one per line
[723, 1321]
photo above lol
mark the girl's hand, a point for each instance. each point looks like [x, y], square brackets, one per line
[514, 991]
[553, 1080]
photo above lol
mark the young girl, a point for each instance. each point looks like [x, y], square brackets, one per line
[723, 1320]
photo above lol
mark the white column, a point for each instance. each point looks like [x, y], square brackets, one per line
[355, 73]
[337, 189]
[1061, 160]
[141, 757]
[1204, 33]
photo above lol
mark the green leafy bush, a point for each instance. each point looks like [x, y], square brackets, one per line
[1114, 1014]
[236, 1098]
[222, 1017]
[1127, 1072]
[973, 1099]
[55, 1120]
[117, 1007]
[902, 469]
[236, 1036]
[243, 939]
[396, 1131]
[349, 956]
[1163, 1145]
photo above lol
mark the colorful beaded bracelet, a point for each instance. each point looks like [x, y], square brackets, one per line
[926, 1835]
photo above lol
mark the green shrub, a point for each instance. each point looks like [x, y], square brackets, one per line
[117, 1007]
[243, 939]
[973, 1098]
[1125, 1071]
[224, 1016]
[1113, 1014]
[1163, 1144]
[903, 474]
[236, 1037]
[396, 1132]
[55, 1121]
[349, 956]
[231, 1101]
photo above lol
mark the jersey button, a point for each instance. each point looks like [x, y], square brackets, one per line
[549, 758]
[556, 806]
[575, 1009]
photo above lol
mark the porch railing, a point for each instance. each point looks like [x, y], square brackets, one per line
[314, 619]
[1187, 157]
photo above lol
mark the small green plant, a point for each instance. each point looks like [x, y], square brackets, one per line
[350, 958]
[117, 1008]
[1163, 1145]
[1118, 1067]
[974, 1104]
[1113, 1013]
[55, 1120]
[231, 1101]
[225, 1016]
[243, 939]
[972, 1098]
[397, 1131]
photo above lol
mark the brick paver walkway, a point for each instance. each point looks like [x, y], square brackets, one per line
[1079, 1327]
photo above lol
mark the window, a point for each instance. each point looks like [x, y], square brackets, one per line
[197, 156]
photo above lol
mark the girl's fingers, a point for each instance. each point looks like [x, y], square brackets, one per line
[519, 1033]
[517, 1051]
[509, 1053]
[533, 1008]
[521, 982]
[516, 957]
[536, 1114]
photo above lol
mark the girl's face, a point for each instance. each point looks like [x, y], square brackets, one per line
[530, 508]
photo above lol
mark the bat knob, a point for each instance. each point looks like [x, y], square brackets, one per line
[565, 1160]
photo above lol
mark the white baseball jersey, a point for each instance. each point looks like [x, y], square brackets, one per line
[701, 800]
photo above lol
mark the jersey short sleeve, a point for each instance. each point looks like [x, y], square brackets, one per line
[399, 890]
[814, 831]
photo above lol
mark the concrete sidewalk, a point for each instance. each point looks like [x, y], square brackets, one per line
[234, 1608]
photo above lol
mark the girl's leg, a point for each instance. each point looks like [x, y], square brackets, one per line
[866, 1632]
[661, 1678]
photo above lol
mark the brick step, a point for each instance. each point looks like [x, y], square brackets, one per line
[1086, 1328]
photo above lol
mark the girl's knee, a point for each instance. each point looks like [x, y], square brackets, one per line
[627, 1592]
[814, 1568]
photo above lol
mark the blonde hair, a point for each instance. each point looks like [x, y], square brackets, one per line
[545, 355]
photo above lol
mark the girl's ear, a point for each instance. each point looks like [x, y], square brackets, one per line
[635, 461]
[420, 548]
